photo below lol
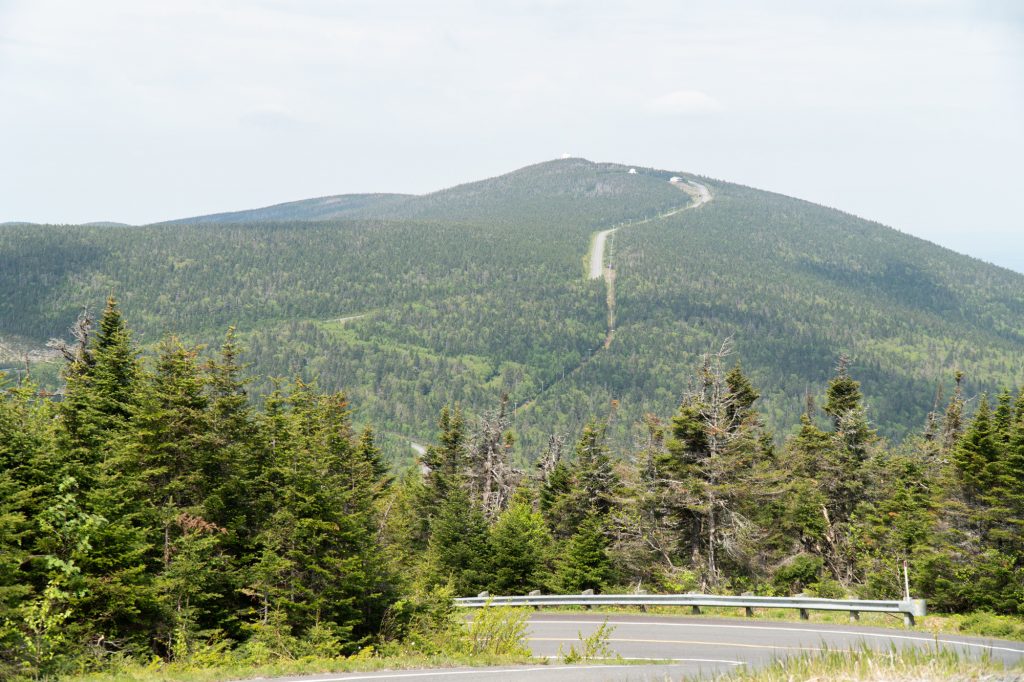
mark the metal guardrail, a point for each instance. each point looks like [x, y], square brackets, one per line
[910, 608]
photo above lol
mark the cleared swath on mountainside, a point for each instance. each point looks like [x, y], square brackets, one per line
[481, 289]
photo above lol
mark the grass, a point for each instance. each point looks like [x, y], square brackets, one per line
[867, 665]
[160, 671]
[979, 624]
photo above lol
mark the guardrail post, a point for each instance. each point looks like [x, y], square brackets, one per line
[912, 608]
[749, 610]
[588, 593]
[535, 593]
[854, 616]
[695, 610]
[804, 615]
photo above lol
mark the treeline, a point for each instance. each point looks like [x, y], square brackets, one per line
[154, 511]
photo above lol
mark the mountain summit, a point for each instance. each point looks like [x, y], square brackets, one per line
[484, 289]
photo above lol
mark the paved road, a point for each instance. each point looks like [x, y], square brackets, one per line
[686, 647]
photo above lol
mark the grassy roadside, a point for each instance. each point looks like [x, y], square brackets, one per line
[975, 624]
[159, 671]
[909, 665]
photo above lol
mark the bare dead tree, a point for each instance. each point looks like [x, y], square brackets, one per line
[551, 456]
[491, 477]
[78, 351]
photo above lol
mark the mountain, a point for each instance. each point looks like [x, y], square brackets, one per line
[409, 302]
[322, 208]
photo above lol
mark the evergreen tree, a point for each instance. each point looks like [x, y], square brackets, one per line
[170, 437]
[520, 543]
[843, 394]
[743, 395]
[596, 481]
[319, 565]
[586, 485]
[118, 603]
[895, 521]
[18, 485]
[99, 394]
[459, 552]
[806, 503]
[952, 422]
[555, 487]
[977, 560]
[715, 470]
[445, 464]
[585, 565]
[370, 455]
[1002, 418]
[838, 469]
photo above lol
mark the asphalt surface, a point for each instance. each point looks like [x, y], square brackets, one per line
[680, 648]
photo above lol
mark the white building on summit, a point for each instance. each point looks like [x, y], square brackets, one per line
[632, 171]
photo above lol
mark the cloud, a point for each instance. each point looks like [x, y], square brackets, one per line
[684, 102]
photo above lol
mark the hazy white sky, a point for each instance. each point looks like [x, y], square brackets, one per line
[910, 112]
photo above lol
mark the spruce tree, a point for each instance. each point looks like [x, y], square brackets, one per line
[806, 502]
[118, 604]
[372, 457]
[459, 552]
[715, 471]
[586, 485]
[99, 394]
[595, 479]
[446, 462]
[319, 566]
[953, 419]
[894, 523]
[16, 506]
[585, 565]
[520, 543]
[976, 561]
[838, 468]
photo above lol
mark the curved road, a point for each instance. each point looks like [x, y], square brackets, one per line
[700, 195]
[680, 647]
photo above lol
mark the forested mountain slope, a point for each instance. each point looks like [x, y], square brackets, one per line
[322, 208]
[466, 293]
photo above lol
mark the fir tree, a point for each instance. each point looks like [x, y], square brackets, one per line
[714, 470]
[459, 552]
[445, 462]
[319, 564]
[585, 564]
[586, 485]
[118, 603]
[17, 489]
[520, 543]
[952, 421]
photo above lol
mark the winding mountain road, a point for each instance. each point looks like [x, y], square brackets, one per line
[700, 195]
[680, 648]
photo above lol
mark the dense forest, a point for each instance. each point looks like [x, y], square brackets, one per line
[155, 509]
[409, 303]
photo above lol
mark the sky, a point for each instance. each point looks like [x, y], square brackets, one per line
[908, 112]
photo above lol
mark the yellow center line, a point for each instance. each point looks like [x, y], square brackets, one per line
[689, 641]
